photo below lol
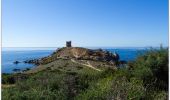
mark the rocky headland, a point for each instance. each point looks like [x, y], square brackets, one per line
[77, 53]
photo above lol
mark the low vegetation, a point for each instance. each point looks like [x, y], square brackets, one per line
[145, 78]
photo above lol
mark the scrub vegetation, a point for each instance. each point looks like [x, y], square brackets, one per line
[145, 78]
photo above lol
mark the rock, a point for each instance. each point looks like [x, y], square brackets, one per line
[84, 54]
[16, 70]
[26, 69]
[116, 56]
[78, 53]
[16, 62]
[123, 62]
[33, 61]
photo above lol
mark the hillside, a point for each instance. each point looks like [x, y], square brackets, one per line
[78, 53]
[146, 78]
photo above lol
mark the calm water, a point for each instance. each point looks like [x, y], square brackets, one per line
[11, 55]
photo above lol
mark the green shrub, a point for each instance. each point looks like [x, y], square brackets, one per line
[8, 79]
[144, 78]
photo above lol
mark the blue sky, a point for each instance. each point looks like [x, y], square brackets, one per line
[94, 23]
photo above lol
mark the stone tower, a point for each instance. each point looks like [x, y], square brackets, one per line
[68, 43]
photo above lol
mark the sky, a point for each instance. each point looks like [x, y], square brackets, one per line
[91, 23]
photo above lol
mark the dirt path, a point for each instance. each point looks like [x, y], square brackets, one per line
[88, 64]
[7, 85]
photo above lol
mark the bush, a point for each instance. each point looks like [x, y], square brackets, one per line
[152, 69]
[8, 79]
[145, 78]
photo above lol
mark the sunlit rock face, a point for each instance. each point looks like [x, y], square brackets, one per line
[86, 54]
[78, 53]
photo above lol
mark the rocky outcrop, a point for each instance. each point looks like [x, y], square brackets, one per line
[83, 53]
[78, 53]
[33, 61]
[16, 62]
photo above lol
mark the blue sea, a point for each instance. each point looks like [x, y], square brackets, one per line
[10, 55]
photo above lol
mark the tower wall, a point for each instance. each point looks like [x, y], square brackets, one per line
[68, 43]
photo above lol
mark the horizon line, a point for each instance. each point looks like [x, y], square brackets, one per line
[92, 47]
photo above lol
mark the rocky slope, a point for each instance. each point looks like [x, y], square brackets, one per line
[78, 53]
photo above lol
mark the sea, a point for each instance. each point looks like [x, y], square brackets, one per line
[10, 55]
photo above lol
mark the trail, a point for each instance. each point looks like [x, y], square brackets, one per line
[88, 64]
[7, 85]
